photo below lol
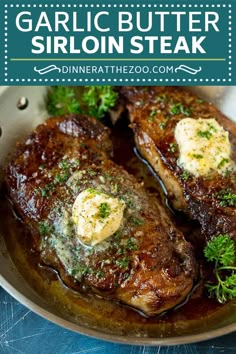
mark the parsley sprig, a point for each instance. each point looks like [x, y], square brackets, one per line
[221, 251]
[91, 100]
[62, 100]
[98, 100]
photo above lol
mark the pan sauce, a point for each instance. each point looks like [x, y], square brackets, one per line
[98, 313]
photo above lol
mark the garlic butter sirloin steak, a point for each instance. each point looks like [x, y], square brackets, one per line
[192, 147]
[92, 222]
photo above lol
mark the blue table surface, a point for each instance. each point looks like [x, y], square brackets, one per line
[22, 331]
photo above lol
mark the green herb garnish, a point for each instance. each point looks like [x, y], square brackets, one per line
[92, 191]
[131, 244]
[162, 125]
[197, 156]
[161, 98]
[226, 198]
[179, 108]
[130, 204]
[62, 100]
[207, 133]
[172, 147]
[91, 100]
[136, 221]
[45, 228]
[222, 163]
[221, 251]
[61, 177]
[81, 270]
[123, 262]
[97, 100]
[46, 190]
[226, 173]
[104, 210]
[185, 175]
[152, 114]
[204, 134]
[91, 172]
[64, 164]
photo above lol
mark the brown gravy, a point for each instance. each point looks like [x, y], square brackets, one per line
[95, 312]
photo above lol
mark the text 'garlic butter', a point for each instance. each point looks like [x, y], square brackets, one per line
[204, 146]
[96, 216]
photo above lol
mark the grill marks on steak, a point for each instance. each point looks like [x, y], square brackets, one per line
[153, 119]
[146, 264]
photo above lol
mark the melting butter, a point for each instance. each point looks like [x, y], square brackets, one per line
[204, 146]
[96, 216]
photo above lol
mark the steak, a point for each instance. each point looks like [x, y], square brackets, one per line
[154, 113]
[146, 264]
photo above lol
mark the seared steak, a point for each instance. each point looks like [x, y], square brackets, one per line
[154, 114]
[146, 264]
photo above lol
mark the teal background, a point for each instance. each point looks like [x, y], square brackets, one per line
[19, 45]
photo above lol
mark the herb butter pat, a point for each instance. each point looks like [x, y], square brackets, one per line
[204, 146]
[96, 216]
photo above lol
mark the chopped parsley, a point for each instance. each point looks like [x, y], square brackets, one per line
[48, 188]
[226, 173]
[152, 115]
[107, 176]
[185, 175]
[131, 204]
[104, 210]
[114, 188]
[123, 262]
[204, 134]
[172, 147]
[207, 133]
[80, 269]
[161, 98]
[136, 221]
[162, 125]
[45, 228]
[91, 172]
[197, 156]
[92, 190]
[131, 244]
[61, 177]
[226, 198]
[64, 164]
[179, 108]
